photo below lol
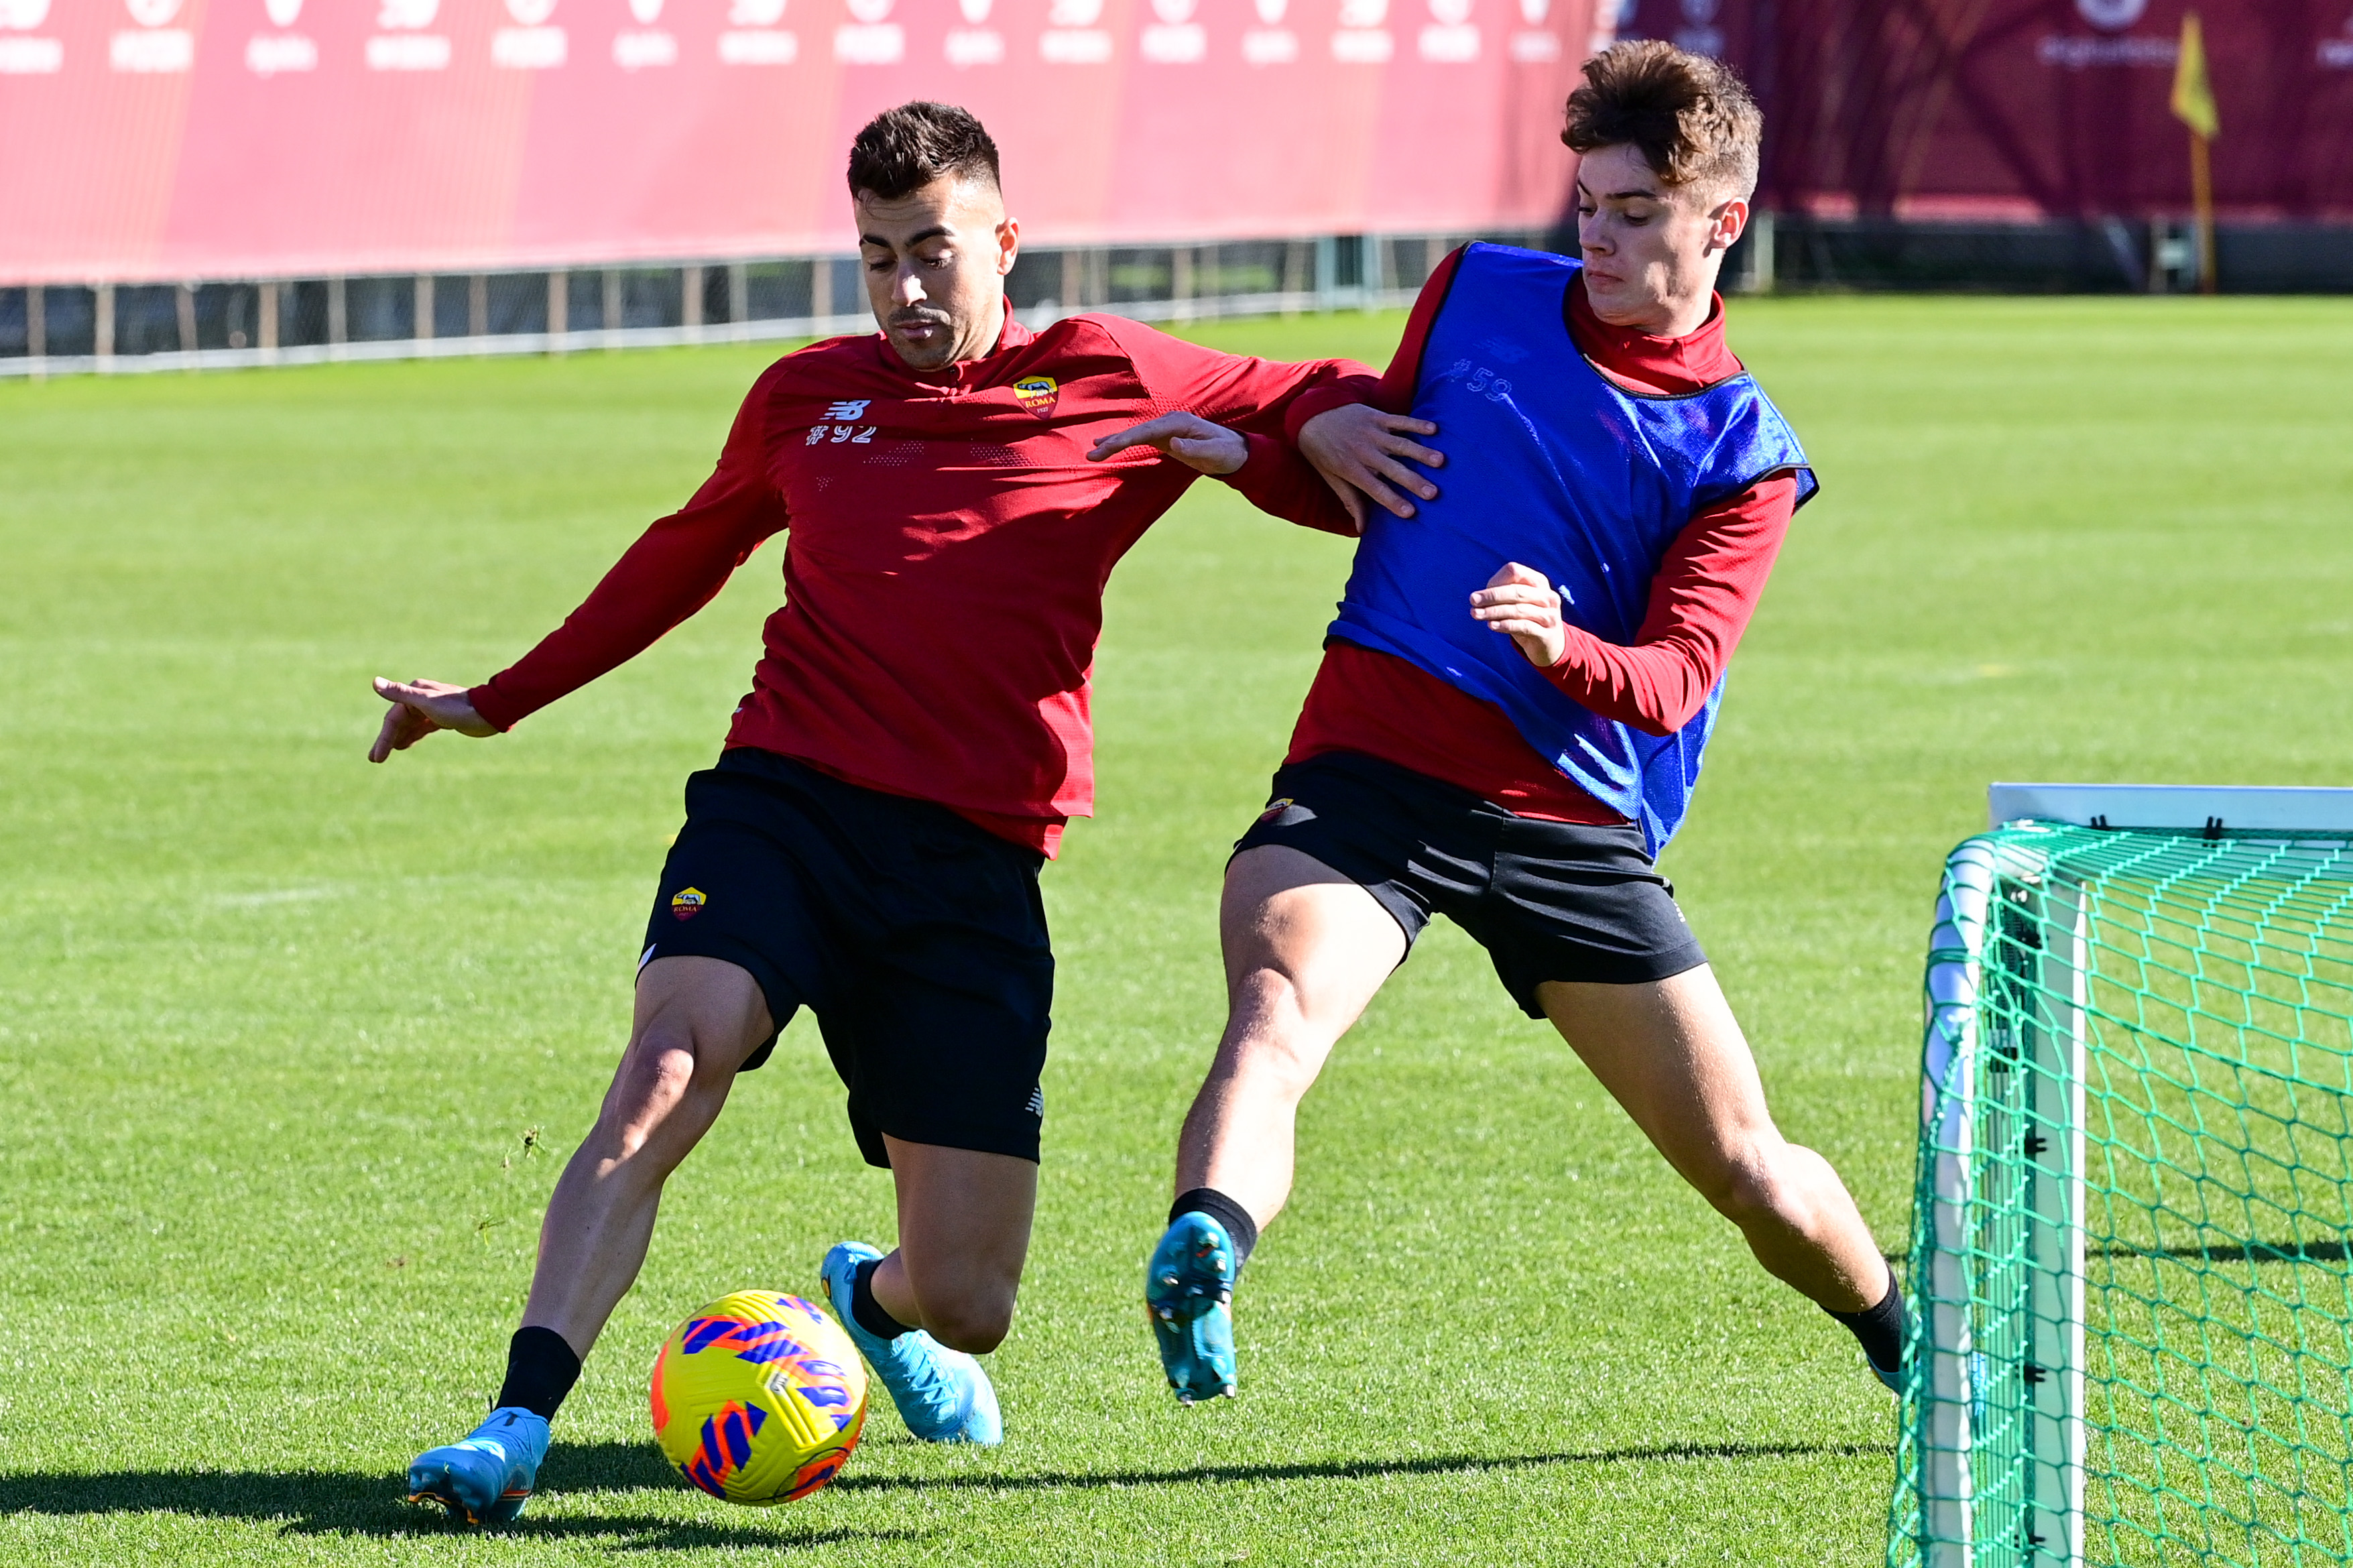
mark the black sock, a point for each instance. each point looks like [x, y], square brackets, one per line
[541, 1370]
[867, 1310]
[1240, 1227]
[1879, 1330]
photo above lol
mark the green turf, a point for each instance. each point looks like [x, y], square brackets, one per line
[273, 1024]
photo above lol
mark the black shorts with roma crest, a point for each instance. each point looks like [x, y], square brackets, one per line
[916, 938]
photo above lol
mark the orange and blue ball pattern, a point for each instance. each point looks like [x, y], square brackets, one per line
[759, 1398]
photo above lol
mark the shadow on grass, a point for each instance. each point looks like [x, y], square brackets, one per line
[325, 1502]
[2238, 1252]
[1367, 1470]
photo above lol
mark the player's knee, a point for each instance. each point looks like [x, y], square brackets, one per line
[662, 1084]
[657, 1072]
[1267, 1040]
[1756, 1187]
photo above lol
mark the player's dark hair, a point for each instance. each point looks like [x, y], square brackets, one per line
[903, 149]
[1689, 116]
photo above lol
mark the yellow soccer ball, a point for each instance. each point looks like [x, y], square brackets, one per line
[759, 1398]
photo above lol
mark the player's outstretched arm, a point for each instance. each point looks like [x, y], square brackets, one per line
[1190, 439]
[676, 566]
[419, 708]
[1256, 399]
[1260, 468]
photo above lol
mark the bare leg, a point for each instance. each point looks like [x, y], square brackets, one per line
[1673, 1056]
[964, 1233]
[696, 1019]
[1305, 950]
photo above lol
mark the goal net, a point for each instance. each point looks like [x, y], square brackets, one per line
[2133, 1340]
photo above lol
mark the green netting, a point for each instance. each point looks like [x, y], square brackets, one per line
[2133, 1338]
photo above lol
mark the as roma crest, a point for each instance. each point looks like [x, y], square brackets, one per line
[1038, 394]
[687, 903]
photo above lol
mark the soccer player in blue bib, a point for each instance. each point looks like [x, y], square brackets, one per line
[1515, 700]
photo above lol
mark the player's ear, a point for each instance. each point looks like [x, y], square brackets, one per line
[1727, 223]
[1008, 245]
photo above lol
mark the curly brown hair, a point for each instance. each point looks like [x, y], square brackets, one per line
[1691, 117]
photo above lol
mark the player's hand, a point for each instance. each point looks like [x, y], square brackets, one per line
[1520, 603]
[1361, 451]
[1187, 437]
[419, 708]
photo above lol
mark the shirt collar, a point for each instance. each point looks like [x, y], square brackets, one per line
[1673, 366]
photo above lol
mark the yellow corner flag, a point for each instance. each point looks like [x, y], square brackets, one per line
[2193, 93]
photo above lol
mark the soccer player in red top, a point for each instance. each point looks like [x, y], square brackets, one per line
[1510, 714]
[869, 843]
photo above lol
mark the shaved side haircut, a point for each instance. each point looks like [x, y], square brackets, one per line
[1689, 116]
[903, 149]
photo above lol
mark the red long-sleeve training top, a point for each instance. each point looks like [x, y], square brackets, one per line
[1707, 588]
[948, 548]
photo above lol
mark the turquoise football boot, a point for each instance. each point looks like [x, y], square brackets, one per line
[1189, 1290]
[487, 1477]
[942, 1396]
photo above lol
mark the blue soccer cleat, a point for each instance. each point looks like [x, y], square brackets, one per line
[942, 1396]
[487, 1477]
[1189, 1290]
[1893, 1376]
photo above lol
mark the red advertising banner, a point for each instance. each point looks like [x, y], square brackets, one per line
[169, 139]
[2030, 108]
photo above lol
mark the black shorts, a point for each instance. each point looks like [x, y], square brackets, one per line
[1548, 900]
[917, 938]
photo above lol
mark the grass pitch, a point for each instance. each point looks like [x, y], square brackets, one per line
[276, 1027]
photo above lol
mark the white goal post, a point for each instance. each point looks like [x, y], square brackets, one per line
[2002, 1423]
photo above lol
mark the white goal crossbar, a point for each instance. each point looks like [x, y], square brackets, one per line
[2172, 808]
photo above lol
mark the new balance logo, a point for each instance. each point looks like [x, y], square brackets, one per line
[853, 410]
[1038, 1101]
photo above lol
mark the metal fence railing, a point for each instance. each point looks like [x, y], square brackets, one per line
[231, 324]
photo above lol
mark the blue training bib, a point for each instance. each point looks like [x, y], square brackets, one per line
[1551, 464]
